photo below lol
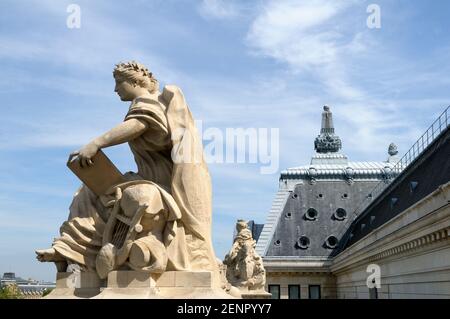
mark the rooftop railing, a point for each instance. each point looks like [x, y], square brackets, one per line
[438, 126]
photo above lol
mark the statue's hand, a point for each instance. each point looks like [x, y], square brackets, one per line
[85, 154]
[48, 255]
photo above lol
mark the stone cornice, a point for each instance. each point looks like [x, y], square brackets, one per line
[440, 235]
[306, 264]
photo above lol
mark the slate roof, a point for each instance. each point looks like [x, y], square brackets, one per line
[331, 187]
[426, 167]
[316, 213]
[326, 206]
[272, 220]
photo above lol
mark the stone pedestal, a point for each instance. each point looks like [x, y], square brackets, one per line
[256, 295]
[129, 285]
[76, 285]
[170, 284]
[138, 285]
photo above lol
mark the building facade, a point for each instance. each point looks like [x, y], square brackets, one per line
[334, 222]
[29, 288]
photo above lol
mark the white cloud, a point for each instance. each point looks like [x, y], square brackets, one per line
[310, 36]
[327, 48]
[218, 9]
[297, 32]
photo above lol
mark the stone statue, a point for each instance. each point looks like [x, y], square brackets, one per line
[244, 266]
[159, 219]
[225, 284]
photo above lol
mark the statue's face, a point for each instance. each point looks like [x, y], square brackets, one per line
[125, 90]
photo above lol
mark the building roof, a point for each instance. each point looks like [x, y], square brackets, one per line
[330, 183]
[426, 168]
[359, 170]
[272, 220]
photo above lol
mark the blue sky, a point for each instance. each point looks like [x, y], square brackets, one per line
[249, 64]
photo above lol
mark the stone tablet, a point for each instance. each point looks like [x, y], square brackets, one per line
[98, 177]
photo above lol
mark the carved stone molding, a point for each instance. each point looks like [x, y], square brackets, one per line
[440, 235]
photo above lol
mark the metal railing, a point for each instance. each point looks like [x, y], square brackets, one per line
[438, 126]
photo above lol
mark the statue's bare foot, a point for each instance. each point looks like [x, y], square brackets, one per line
[47, 255]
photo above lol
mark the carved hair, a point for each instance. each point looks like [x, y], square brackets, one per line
[136, 74]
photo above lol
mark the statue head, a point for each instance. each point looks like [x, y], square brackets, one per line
[241, 224]
[132, 80]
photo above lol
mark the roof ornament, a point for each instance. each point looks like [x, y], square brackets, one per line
[312, 174]
[392, 150]
[327, 141]
[349, 175]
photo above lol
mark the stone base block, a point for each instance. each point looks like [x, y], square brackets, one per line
[76, 285]
[170, 284]
[137, 285]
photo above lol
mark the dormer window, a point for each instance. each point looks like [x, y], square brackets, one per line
[311, 214]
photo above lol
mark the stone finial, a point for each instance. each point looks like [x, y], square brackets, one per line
[392, 150]
[327, 141]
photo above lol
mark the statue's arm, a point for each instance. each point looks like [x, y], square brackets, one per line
[122, 133]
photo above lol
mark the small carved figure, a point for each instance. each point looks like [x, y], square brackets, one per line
[244, 266]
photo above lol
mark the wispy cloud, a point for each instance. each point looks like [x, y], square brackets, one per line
[293, 32]
[366, 82]
[218, 9]
[310, 36]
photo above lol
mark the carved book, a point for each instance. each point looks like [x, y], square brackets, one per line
[98, 177]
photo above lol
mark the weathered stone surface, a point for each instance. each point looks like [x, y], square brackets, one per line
[244, 268]
[138, 228]
[76, 285]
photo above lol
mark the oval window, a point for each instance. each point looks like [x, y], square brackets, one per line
[340, 214]
[311, 214]
[331, 242]
[303, 242]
